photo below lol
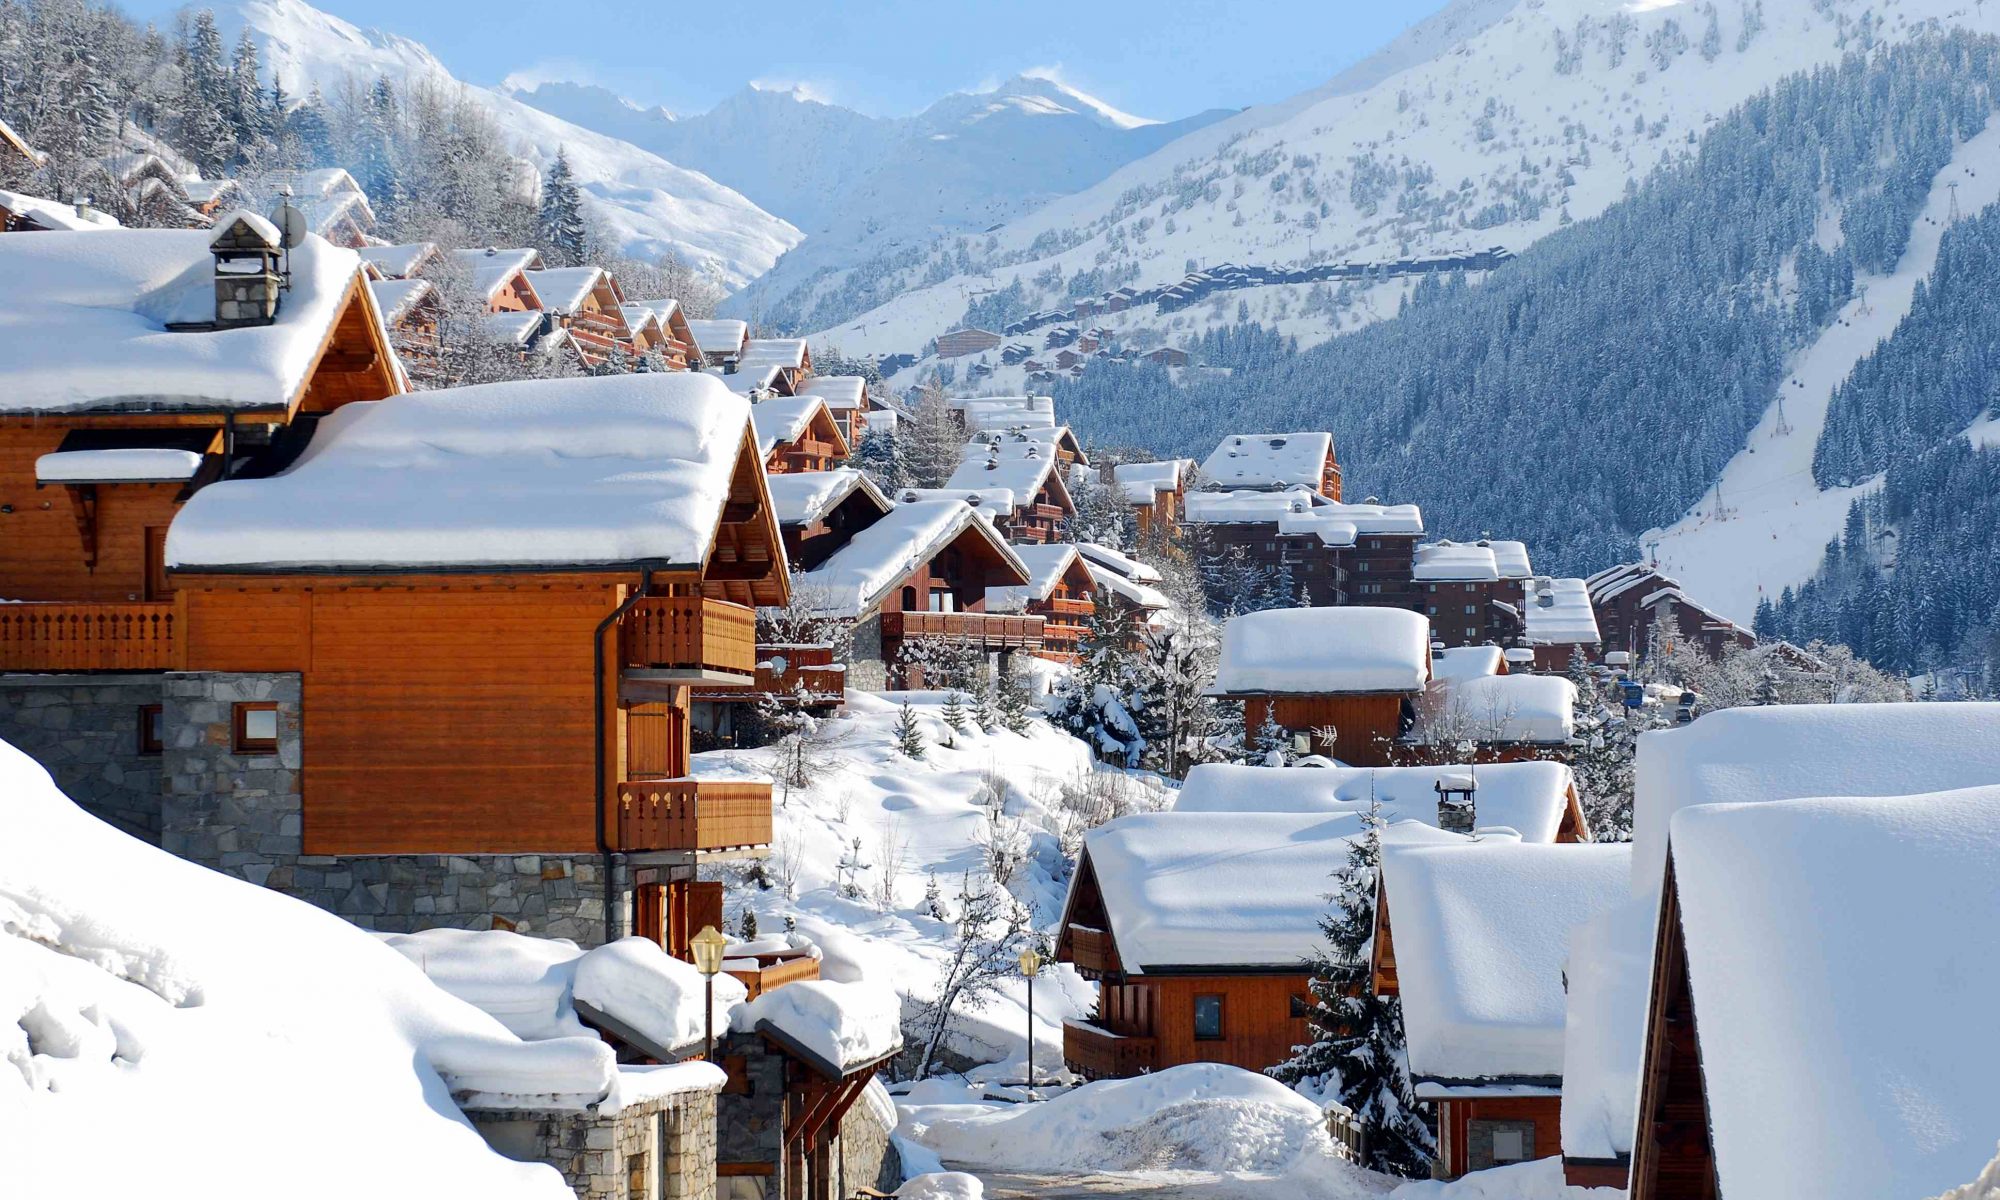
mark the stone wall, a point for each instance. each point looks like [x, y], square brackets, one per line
[657, 1149]
[750, 1127]
[866, 669]
[867, 1158]
[238, 813]
[549, 895]
[85, 729]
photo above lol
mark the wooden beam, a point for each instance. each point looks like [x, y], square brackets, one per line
[349, 362]
[83, 506]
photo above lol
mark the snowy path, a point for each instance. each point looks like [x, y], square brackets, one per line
[1072, 1185]
[1775, 523]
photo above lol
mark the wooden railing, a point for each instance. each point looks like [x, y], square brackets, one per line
[692, 814]
[689, 633]
[987, 629]
[136, 636]
[1092, 953]
[1050, 512]
[810, 668]
[1097, 1053]
[776, 969]
[1069, 606]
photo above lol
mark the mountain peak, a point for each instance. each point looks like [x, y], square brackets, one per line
[1047, 83]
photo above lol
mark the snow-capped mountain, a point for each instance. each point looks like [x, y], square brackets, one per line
[1493, 122]
[863, 186]
[646, 201]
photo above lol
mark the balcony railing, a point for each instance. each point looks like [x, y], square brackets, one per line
[1092, 953]
[986, 629]
[761, 972]
[691, 634]
[695, 815]
[1098, 1053]
[137, 636]
[786, 670]
[1049, 512]
[1068, 606]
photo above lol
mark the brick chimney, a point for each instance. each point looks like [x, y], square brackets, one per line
[247, 280]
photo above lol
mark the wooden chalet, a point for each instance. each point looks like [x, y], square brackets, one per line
[1536, 800]
[1473, 592]
[1166, 356]
[1559, 623]
[1330, 553]
[335, 206]
[790, 356]
[960, 342]
[846, 398]
[143, 189]
[1358, 672]
[501, 276]
[1032, 470]
[1124, 587]
[213, 197]
[411, 312]
[797, 434]
[1472, 935]
[21, 213]
[1059, 590]
[507, 677]
[406, 261]
[129, 388]
[820, 511]
[722, 341]
[1638, 609]
[676, 344]
[16, 155]
[1273, 462]
[586, 302]
[1154, 490]
[922, 570]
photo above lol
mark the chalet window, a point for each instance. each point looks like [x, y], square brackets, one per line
[1470, 588]
[1301, 1007]
[150, 722]
[943, 601]
[1471, 609]
[1471, 632]
[1433, 610]
[256, 728]
[1374, 543]
[1208, 1018]
[1362, 565]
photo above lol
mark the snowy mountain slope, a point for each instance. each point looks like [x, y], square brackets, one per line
[864, 186]
[1493, 123]
[649, 204]
[1774, 521]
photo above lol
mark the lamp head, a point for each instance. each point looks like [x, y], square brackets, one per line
[707, 946]
[1031, 962]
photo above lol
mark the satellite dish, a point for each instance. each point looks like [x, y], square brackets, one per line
[292, 225]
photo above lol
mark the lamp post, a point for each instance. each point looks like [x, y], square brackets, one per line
[707, 946]
[1031, 965]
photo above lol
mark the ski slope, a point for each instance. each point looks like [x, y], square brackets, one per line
[1773, 523]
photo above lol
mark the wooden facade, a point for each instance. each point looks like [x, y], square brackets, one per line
[1065, 613]
[1366, 725]
[1376, 571]
[820, 447]
[1478, 1132]
[1672, 1155]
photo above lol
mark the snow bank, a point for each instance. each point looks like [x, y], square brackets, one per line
[1530, 798]
[609, 470]
[1541, 1179]
[651, 992]
[1316, 651]
[1795, 913]
[847, 1025]
[943, 1185]
[1481, 931]
[87, 324]
[147, 996]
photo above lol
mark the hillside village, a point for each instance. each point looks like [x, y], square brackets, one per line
[476, 721]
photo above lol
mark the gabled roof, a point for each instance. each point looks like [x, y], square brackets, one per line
[804, 497]
[747, 381]
[1142, 482]
[1139, 595]
[1324, 651]
[786, 419]
[609, 472]
[1119, 562]
[491, 268]
[864, 571]
[394, 298]
[402, 261]
[1025, 475]
[54, 215]
[1268, 460]
[85, 328]
[1047, 564]
[1531, 798]
[514, 328]
[1535, 709]
[840, 392]
[786, 353]
[19, 144]
[663, 310]
[1004, 412]
[1481, 932]
[718, 337]
[564, 289]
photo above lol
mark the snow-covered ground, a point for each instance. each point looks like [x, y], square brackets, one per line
[1774, 521]
[939, 810]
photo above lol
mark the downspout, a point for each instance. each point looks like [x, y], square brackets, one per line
[603, 793]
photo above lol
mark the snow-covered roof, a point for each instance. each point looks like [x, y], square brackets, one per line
[86, 324]
[1318, 651]
[397, 262]
[1222, 889]
[718, 337]
[1466, 662]
[1249, 506]
[1500, 708]
[1268, 460]
[803, 497]
[1558, 612]
[991, 502]
[1130, 590]
[514, 328]
[1530, 798]
[858, 575]
[1468, 561]
[1119, 561]
[394, 298]
[1142, 482]
[1005, 412]
[841, 392]
[1047, 563]
[1024, 476]
[1301, 511]
[661, 310]
[491, 267]
[564, 289]
[786, 353]
[1797, 916]
[55, 214]
[638, 318]
[842, 1027]
[1511, 558]
[605, 471]
[134, 464]
[1609, 972]
[18, 142]
[1481, 931]
[784, 419]
[1612, 582]
[748, 380]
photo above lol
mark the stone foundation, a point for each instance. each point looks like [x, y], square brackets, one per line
[750, 1119]
[85, 729]
[867, 671]
[658, 1149]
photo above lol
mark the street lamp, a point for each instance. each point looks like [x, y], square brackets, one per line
[1031, 965]
[707, 946]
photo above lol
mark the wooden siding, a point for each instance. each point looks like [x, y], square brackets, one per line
[1363, 725]
[41, 547]
[1673, 1157]
[1543, 1112]
[1258, 1030]
[88, 637]
[689, 632]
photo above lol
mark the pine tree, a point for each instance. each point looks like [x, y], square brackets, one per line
[909, 734]
[1016, 700]
[1095, 700]
[749, 925]
[204, 97]
[985, 708]
[930, 440]
[1357, 1047]
[880, 457]
[560, 228]
[248, 120]
[954, 711]
[934, 899]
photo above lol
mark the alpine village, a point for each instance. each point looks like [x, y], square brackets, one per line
[511, 687]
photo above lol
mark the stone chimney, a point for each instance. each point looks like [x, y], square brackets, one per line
[1457, 811]
[247, 280]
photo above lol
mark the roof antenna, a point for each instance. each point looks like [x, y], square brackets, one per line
[292, 230]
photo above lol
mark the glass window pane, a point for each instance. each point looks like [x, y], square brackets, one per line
[1208, 1016]
[260, 725]
[1507, 1146]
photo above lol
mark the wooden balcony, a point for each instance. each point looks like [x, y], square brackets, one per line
[136, 636]
[761, 972]
[807, 668]
[1098, 1053]
[696, 816]
[1050, 512]
[1067, 606]
[993, 631]
[689, 639]
[1093, 953]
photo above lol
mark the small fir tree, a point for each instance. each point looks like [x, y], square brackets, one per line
[909, 734]
[934, 899]
[954, 711]
[749, 924]
[985, 708]
[1016, 697]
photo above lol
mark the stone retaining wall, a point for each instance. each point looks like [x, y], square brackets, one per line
[85, 729]
[663, 1147]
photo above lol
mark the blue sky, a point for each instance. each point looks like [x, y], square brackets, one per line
[892, 57]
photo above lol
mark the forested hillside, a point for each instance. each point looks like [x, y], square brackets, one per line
[1594, 387]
